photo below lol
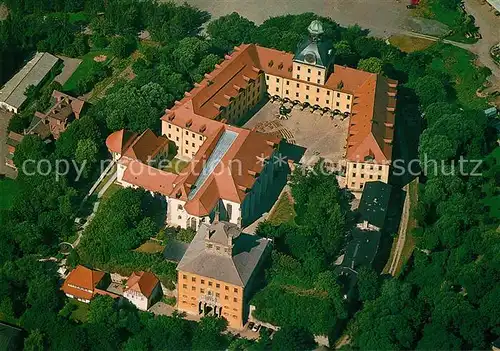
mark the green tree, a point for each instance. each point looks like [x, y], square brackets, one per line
[368, 284]
[430, 90]
[371, 64]
[231, 30]
[34, 341]
[208, 335]
[293, 339]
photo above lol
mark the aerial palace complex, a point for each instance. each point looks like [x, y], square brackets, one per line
[230, 170]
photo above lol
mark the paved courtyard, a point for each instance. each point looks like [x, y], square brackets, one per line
[320, 135]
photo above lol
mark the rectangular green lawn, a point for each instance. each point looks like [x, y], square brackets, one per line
[84, 68]
[8, 189]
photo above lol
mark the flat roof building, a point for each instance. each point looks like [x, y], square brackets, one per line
[33, 73]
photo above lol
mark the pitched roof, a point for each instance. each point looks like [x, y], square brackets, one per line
[149, 178]
[83, 278]
[248, 251]
[12, 93]
[220, 171]
[14, 139]
[146, 146]
[143, 282]
[371, 129]
[119, 141]
[362, 249]
[76, 104]
[375, 203]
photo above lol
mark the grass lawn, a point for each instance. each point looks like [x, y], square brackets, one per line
[175, 166]
[113, 188]
[151, 246]
[283, 212]
[105, 180]
[84, 67]
[80, 314]
[466, 76]
[409, 44]
[8, 189]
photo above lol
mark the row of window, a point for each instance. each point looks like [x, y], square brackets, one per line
[353, 185]
[210, 283]
[363, 167]
[308, 87]
[202, 291]
[308, 70]
[379, 177]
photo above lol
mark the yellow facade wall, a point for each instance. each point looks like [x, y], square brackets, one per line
[192, 289]
[358, 173]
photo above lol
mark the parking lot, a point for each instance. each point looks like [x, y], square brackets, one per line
[322, 136]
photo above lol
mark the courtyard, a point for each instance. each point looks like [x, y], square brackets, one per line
[322, 136]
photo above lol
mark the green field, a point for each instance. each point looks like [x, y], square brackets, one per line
[80, 314]
[84, 68]
[8, 189]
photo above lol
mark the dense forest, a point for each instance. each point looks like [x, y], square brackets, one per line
[447, 294]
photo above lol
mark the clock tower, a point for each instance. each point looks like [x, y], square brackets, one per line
[313, 59]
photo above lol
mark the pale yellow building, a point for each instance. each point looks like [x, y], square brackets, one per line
[216, 274]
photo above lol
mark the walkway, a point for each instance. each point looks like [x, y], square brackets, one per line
[5, 117]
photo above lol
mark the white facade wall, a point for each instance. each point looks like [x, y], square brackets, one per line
[139, 300]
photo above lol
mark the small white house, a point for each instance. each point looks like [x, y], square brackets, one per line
[142, 289]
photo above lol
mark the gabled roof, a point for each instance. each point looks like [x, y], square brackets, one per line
[143, 282]
[119, 141]
[233, 173]
[248, 251]
[149, 178]
[371, 129]
[146, 146]
[83, 278]
[374, 203]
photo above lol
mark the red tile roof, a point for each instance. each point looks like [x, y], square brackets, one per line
[149, 178]
[145, 147]
[83, 278]
[143, 282]
[119, 141]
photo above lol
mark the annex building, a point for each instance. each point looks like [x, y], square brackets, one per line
[12, 95]
[229, 169]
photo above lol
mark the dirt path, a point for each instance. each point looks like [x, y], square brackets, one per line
[403, 227]
[489, 27]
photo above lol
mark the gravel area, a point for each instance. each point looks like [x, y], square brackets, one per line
[70, 66]
[382, 17]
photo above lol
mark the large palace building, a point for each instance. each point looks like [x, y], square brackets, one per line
[228, 168]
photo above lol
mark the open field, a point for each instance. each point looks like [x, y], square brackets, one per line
[409, 44]
[150, 246]
[382, 18]
[111, 190]
[80, 314]
[8, 189]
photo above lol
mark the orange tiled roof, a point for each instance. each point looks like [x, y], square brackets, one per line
[143, 282]
[146, 146]
[149, 178]
[229, 180]
[120, 140]
[84, 278]
[371, 129]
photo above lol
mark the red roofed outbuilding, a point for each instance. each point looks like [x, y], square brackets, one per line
[142, 289]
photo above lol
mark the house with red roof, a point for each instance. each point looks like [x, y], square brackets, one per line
[142, 289]
[83, 284]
